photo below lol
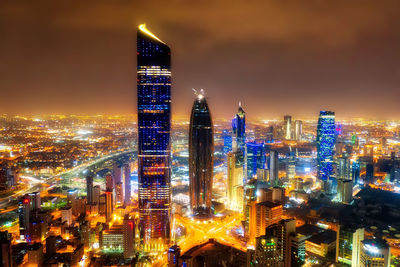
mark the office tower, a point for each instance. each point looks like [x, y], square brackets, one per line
[96, 194]
[325, 147]
[273, 167]
[374, 252]
[127, 184]
[24, 216]
[239, 130]
[108, 206]
[287, 232]
[119, 193]
[291, 169]
[298, 129]
[66, 215]
[369, 172]
[35, 200]
[343, 168]
[129, 236]
[227, 137]
[109, 182]
[345, 190]
[348, 245]
[174, 253]
[235, 181]
[344, 182]
[287, 126]
[267, 213]
[154, 123]
[79, 206]
[117, 172]
[89, 188]
[355, 172]
[267, 252]
[255, 158]
[71, 195]
[5, 245]
[201, 155]
[369, 150]
[112, 240]
[249, 209]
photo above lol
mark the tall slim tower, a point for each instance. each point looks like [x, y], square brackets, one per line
[298, 129]
[325, 146]
[154, 124]
[239, 130]
[201, 151]
[287, 127]
[89, 187]
[127, 184]
[273, 168]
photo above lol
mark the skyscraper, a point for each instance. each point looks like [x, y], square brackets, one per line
[239, 130]
[154, 123]
[89, 188]
[235, 181]
[201, 151]
[127, 184]
[348, 244]
[273, 167]
[255, 158]
[325, 146]
[298, 130]
[129, 236]
[287, 126]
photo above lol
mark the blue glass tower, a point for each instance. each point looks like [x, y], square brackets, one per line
[227, 137]
[239, 130]
[255, 158]
[326, 133]
[154, 123]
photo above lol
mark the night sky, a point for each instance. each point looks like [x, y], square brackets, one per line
[277, 57]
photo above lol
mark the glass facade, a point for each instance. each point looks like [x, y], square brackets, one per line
[239, 130]
[154, 123]
[255, 158]
[326, 133]
[201, 154]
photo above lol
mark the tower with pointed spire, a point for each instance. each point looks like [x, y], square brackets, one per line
[201, 155]
[239, 130]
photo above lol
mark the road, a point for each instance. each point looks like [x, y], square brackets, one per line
[37, 186]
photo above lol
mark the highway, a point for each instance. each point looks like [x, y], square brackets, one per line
[6, 203]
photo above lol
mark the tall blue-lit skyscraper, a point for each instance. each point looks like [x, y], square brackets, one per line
[255, 158]
[326, 135]
[154, 148]
[227, 137]
[239, 130]
[201, 156]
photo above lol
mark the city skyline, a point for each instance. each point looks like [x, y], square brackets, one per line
[58, 70]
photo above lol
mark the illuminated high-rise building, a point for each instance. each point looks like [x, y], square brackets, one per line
[298, 130]
[267, 251]
[326, 135]
[235, 181]
[127, 184]
[355, 172]
[291, 170]
[255, 158]
[374, 252]
[239, 130]
[343, 168]
[129, 236]
[287, 126]
[24, 216]
[154, 125]
[201, 155]
[89, 188]
[348, 245]
[227, 137]
[108, 206]
[273, 167]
